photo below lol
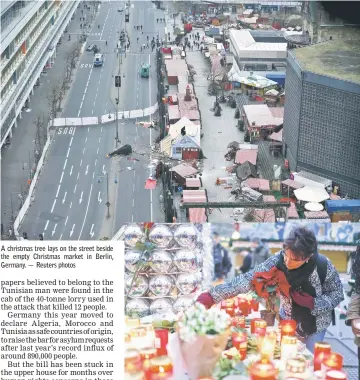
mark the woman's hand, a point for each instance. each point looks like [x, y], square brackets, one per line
[355, 325]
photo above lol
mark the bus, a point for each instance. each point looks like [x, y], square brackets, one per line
[98, 60]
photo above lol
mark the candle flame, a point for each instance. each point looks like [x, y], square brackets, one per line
[161, 369]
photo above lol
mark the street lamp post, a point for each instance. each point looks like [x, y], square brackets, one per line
[107, 204]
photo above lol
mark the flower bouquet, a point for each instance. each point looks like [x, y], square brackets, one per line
[203, 335]
[269, 285]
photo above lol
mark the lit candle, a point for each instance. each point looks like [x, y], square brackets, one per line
[238, 322]
[148, 353]
[288, 327]
[230, 311]
[255, 304]
[334, 374]
[132, 361]
[244, 307]
[161, 368]
[321, 350]
[263, 370]
[294, 367]
[289, 347]
[267, 346]
[332, 361]
[161, 341]
[252, 324]
[260, 327]
[239, 341]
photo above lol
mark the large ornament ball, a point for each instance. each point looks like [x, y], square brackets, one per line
[161, 306]
[186, 236]
[182, 304]
[132, 259]
[161, 235]
[137, 308]
[185, 261]
[186, 283]
[160, 261]
[133, 234]
[161, 285]
[139, 286]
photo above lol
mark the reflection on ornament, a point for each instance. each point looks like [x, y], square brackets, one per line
[186, 236]
[139, 286]
[160, 261]
[162, 305]
[185, 261]
[186, 283]
[133, 234]
[137, 308]
[160, 285]
[183, 303]
[131, 260]
[161, 235]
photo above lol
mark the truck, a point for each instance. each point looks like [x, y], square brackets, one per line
[343, 210]
[312, 180]
[98, 60]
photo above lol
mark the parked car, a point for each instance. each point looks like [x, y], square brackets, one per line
[91, 48]
[120, 10]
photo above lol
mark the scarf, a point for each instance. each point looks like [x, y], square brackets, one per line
[298, 280]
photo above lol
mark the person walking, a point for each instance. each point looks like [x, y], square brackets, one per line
[222, 262]
[315, 286]
[353, 312]
[246, 265]
[259, 252]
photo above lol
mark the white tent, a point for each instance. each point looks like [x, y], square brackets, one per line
[311, 194]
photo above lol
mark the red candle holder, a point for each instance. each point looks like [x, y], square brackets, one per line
[263, 370]
[334, 374]
[332, 361]
[238, 322]
[161, 368]
[148, 353]
[260, 328]
[288, 328]
[161, 341]
[132, 361]
[321, 351]
[230, 311]
[239, 341]
[255, 304]
[252, 324]
[227, 304]
[244, 307]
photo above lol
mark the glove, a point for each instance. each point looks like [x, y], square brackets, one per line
[206, 300]
[303, 299]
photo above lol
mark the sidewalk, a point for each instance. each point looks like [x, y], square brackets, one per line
[19, 155]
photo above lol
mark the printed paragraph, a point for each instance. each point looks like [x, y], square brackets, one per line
[61, 324]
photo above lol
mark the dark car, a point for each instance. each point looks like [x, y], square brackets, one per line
[91, 48]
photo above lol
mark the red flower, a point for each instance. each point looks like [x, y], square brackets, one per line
[272, 281]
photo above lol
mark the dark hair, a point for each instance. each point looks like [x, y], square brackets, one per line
[302, 242]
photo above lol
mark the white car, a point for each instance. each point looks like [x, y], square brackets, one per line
[120, 10]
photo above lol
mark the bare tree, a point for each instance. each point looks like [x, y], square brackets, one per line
[63, 87]
[53, 98]
[216, 74]
[260, 216]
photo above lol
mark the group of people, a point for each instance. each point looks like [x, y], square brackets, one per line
[315, 285]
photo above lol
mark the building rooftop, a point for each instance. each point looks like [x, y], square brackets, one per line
[339, 59]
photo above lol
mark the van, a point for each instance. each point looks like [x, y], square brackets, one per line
[98, 60]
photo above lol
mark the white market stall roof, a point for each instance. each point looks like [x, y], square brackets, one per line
[253, 80]
[311, 194]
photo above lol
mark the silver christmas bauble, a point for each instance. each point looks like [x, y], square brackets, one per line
[161, 305]
[133, 234]
[186, 236]
[186, 283]
[160, 261]
[161, 235]
[137, 308]
[139, 286]
[185, 261]
[131, 259]
[161, 285]
[182, 304]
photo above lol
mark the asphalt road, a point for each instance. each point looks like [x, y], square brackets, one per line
[70, 197]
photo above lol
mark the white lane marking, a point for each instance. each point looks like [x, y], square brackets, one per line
[95, 161]
[81, 104]
[53, 231]
[87, 83]
[101, 129]
[78, 175]
[87, 169]
[133, 186]
[72, 230]
[92, 231]
[103, 169]
[60, 237]
[70, 204]
[85, 139]
[84, 148]
[99, 197]
[81, 197]
[62, 175]
[88, 129]
[67, 154]
[57, 193]
[93, 174]
[71, 140]
[79, 112]
[100, 138]
[66, 220]
[75, 188]
[65, 164]
[46, 225]
[63, 201]
[86, 212]
[133, 202]
[132, 218]
[71, 169]
[97, 151]
[53, 206]
[83, 96]
[80, 162]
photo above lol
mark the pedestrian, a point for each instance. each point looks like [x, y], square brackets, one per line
[141, 27]
[353, 312]
[147, 45]
[98, 26]
[259, 252]
[80, 26]
[137, 39]
[222, 262]
[315, 286]
[147, 37]
[2, 228]
[246, 265]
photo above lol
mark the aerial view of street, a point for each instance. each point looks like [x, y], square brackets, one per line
[143, 111]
